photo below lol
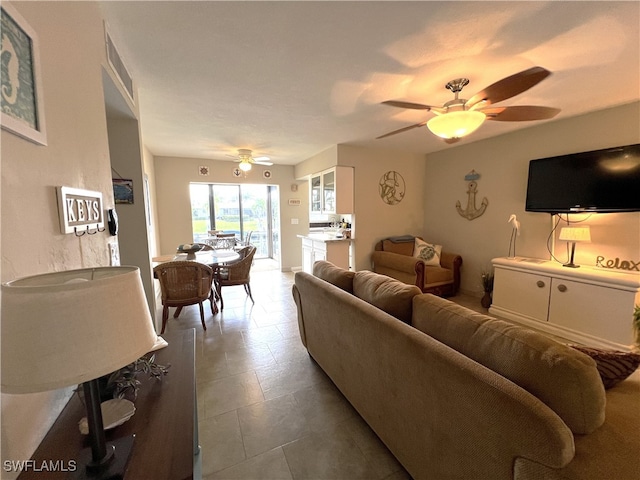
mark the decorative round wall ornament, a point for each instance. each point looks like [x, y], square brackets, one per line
[203, 170]
[266, 174]
[391, 188]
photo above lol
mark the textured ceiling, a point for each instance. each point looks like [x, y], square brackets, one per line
[290, 79]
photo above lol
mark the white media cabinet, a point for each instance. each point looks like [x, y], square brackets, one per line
[588, 305]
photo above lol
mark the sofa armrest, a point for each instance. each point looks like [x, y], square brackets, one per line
[452, 261]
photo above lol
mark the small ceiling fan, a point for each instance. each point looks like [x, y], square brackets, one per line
[459, 117]
[247, 160]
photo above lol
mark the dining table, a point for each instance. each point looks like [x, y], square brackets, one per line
[212, 258]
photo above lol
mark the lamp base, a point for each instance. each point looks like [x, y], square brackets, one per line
[119, 448]
[571, 265]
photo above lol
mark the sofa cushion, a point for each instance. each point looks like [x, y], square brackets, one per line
[400, 246]
[564, 379]
[427, 252]
[613, 366]
[386, 293]
[337, 276]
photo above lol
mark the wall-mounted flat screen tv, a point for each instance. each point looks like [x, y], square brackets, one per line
[605, 180]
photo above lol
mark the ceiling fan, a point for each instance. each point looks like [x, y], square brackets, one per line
[459, 117]
[247, 160]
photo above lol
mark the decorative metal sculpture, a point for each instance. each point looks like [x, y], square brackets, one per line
[391, 188]
[471, 211]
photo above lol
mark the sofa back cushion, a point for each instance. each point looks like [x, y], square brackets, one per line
[400, 245]
[386, 293]
[566, 380]
[337, 276]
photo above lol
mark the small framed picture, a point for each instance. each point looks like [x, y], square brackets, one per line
[21, 99]
[123, 190]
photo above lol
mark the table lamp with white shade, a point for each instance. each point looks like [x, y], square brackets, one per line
[574, 235]
[72, 327]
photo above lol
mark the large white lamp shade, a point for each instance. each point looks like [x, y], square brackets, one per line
[65, 328]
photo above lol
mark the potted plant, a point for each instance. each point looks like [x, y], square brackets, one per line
[487, 286]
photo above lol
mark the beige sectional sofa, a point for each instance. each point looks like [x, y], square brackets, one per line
[456, 394]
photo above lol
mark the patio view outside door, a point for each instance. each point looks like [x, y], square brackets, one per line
[239, 209]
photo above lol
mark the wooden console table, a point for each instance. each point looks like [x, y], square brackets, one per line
[165, 422]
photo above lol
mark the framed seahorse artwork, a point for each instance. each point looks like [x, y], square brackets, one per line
[21, 99]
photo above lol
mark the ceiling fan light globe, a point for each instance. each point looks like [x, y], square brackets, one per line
[456, 124]
[244, 166]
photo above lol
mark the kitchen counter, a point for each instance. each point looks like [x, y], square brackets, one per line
[325, 246]
[324, 237]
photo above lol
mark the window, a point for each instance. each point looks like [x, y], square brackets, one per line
[239, 209]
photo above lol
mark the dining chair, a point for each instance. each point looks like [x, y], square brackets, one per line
[235, 273]
[184, 283]
[244, 243]
[225, 241]
[247, 238]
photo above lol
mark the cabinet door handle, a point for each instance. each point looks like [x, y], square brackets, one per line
[540, 284]
[562, 288]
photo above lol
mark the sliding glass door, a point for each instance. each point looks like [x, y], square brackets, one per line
[239, 209]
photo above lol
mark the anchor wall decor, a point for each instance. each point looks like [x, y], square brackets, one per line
[471, 211]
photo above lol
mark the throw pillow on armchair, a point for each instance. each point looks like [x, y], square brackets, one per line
[430, 254]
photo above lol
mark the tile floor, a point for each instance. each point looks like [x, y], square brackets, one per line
[266, 410]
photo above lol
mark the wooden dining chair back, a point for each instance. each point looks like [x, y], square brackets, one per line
[236, 273]
[184, 283]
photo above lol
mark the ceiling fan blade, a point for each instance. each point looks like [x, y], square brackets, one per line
[520, 113]
[261, 159]
[414, 106]
[262, 162]
[400, 130]
[509, 86]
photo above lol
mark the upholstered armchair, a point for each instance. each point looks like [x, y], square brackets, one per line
[394, 257]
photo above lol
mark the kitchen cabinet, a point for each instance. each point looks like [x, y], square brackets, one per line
[324, 247]
[331, 191]
[588, 305]
[315, 189]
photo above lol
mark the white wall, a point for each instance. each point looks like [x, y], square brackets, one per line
[77, 155]
[126, 159]
[150, 172]
[374, 219]
[173, 176]
[503, 165]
